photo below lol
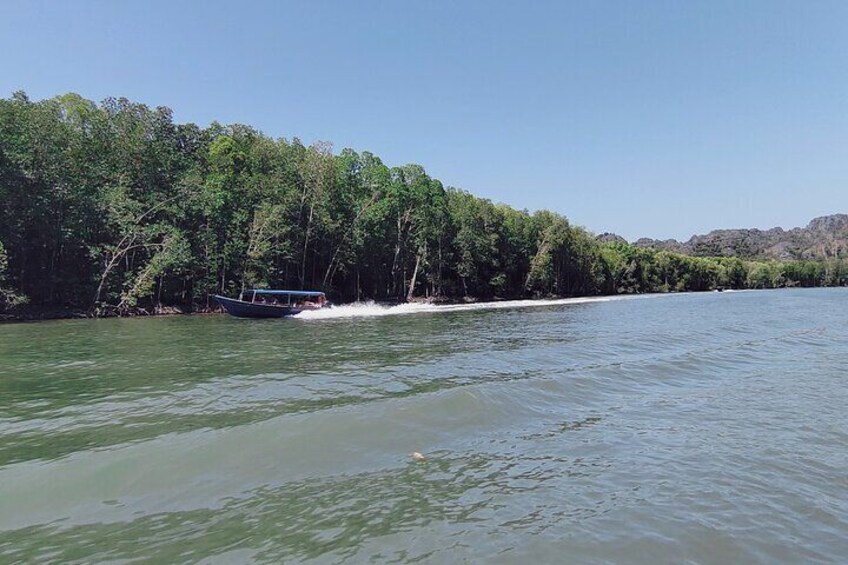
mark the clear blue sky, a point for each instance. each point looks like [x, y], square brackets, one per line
[658, 119]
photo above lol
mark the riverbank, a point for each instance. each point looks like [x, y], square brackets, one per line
[43, 314]
[36, 314]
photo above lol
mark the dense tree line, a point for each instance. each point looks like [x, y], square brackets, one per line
[113, 208]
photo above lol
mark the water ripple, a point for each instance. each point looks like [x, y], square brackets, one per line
[703, 428]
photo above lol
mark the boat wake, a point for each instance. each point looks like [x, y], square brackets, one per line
[372, 309]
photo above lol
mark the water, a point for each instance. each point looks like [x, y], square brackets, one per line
[705, 427]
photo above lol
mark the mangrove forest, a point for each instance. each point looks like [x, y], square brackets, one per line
[113, 208]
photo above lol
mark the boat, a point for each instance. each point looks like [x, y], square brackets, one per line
[268, 303]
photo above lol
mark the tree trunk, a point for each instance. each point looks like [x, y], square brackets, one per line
[331, 267]
[306, 244]
[414, 276]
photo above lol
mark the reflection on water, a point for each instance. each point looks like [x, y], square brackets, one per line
[693, 427]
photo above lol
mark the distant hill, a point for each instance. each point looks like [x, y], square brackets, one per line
[823, 238]
[610, 238]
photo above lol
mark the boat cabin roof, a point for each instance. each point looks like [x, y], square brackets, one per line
[286, 292]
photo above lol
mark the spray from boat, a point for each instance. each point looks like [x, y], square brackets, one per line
[374, 310]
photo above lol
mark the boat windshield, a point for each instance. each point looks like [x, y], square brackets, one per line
[304, 298]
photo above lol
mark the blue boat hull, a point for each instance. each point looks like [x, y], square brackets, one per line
[242, 309]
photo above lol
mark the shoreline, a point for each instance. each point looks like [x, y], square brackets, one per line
[48, 314]
[52, 314]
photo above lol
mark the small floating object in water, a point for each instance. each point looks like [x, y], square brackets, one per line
[418, 457]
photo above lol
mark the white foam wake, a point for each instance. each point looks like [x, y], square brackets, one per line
[372, 309]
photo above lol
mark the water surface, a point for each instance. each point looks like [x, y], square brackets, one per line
[705, 427]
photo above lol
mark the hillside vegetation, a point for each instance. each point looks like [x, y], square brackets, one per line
[113, 208]
[824, 238]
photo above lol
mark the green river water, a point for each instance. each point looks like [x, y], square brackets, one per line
[707, 428]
